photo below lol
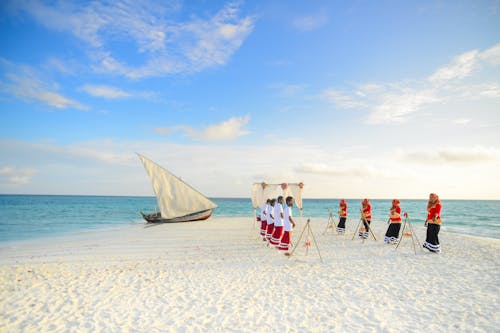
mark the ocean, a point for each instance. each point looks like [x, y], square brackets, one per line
[25, 217]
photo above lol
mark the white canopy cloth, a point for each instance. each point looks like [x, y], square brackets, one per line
[263, 191]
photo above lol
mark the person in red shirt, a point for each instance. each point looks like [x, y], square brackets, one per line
[433, 224]
[392, 234]
[366, 217]
[342, 217]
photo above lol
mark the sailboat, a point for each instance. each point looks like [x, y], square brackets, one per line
[178, 201]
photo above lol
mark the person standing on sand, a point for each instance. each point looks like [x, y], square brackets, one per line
[366, 217]
[270, 219]
[392, 234]
[288, 224]
[263, 219]
[278, 222]
[433, 224]
[342, 217]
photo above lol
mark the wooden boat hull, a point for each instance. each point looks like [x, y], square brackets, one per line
[198, 216]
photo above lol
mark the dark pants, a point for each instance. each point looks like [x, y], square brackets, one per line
[366, 223]
[432, 233]
[342, 222]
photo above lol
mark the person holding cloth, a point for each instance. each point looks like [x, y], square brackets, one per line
[392, 234]
[288, 225]
[342, 217]
[433, 223]
[366, 217]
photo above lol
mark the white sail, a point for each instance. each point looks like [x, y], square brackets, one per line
[175, 197]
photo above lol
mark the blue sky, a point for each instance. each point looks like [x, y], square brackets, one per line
[375, 99]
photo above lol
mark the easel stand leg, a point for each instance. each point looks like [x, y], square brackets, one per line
[329, 225]
[314, 239]
[356, 230]
[309, 233]
[402, 234]
[298, 241]
[413, 235]
[371, 231]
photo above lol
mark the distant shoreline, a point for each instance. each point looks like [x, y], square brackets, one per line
[317, 221]
[227, 198]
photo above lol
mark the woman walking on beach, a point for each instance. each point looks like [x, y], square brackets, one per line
[433, 224]
[270, 219]
[392, 234]
[342, 217]
[288, 224]
[366, 217]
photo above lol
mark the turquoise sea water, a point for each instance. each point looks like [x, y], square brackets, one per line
[32, 216]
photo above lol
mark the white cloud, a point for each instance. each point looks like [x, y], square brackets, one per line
[341, 100]
[395, 106]
[166, 45]
[461, 66]
[461, 121]
[355, 169]
[227, 130]
[25, 83]
[63, 67]
[215, 40]
[310, 22]
[453, 155]
[370, 88]
[491, 55]
[467, 63]
[105, 91]
[396, 102]
[110, 167]
[16, 176]
[288, 90]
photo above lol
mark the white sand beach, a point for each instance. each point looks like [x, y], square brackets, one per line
[218, 276]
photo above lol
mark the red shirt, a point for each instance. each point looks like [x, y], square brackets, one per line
[367, 212]
[396, 211]
[434, 212]
[343, 210]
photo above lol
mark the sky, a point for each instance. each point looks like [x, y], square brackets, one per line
[377, 99]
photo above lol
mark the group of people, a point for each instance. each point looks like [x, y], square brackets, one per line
[277, 222]
[433, 221]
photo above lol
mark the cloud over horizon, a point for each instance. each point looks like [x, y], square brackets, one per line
[15, 176]
[453, 155]
[226, 130]
[396, 102]
[100, 167]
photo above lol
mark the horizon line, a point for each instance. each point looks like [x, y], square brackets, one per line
[215, 197]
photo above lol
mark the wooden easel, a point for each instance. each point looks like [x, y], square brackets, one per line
[369, 229]
[330, 224]
[410, 233]
[307, 243]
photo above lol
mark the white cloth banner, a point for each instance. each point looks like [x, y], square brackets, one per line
[262, 191]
